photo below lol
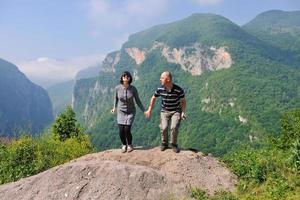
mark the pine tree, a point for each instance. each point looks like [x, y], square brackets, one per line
[66, 125]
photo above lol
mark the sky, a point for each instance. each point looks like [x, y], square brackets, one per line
[50, 40]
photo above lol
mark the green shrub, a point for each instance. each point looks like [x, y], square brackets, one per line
[66, 125]
[3, 163]
[222, 195]
[22, 158]
[271, 172]
[246, 164]
[198, 194]
[277, 188]
[290, 127]
[296, 154]
[28, 156]
[54, 152]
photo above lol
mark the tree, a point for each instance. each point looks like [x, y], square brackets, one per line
[290, 125]
[66, 125]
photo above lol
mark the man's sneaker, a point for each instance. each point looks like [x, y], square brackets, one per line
[124, 148]
[175, 148]
[130, 148]
[163, 146]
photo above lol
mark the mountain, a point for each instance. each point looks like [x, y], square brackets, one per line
[61, 95]
[142, 174]
[89, 72]
[279, 28]
[24, 106]
[237, 86]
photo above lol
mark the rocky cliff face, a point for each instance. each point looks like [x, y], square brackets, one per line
[195, 58]
[91, 97]
[110, 62]
[141, 174]
[24, 106]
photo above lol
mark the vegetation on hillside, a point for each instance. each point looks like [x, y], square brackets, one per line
[27, 156]
[273, 171]
[279, 28]
[270, 172]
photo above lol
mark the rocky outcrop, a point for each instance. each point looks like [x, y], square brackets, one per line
[110, 61]
[243, 120]
[136, 54]
[141, 174]
[195, 58]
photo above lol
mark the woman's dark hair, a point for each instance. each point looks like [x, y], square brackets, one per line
[126, 73]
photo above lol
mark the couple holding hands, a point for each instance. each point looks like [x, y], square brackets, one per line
[172, 109]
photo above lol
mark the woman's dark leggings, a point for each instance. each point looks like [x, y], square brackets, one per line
[125, 134]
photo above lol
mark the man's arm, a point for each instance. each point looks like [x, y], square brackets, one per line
[183, 106]
[151, 105]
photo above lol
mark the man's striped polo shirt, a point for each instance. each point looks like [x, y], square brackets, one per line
[170, 99]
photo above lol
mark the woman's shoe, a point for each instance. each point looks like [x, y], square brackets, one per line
[130, 148]
[124, 148]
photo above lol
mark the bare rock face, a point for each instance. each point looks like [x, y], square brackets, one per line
[141, 174]
[197, 58]
[136, 54]
[194, 58]
[110, 61]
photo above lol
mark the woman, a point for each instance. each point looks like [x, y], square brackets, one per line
[124, 103]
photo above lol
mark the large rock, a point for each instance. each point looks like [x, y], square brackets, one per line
[141, 174]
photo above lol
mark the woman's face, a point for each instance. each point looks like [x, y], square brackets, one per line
[125, 79]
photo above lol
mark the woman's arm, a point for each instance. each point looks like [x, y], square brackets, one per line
[138, 101]
[116, 100]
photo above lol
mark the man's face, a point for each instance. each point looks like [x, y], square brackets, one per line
[164, 79]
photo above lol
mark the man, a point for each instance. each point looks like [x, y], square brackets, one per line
[172, 109]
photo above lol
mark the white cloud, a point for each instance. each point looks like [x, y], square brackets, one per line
[46, 71]
[42, 59]
[207, 2]
[110, 15]
[115, 19]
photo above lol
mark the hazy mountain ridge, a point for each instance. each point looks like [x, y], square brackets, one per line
[24, 105]
[279, 28]
[61, 95]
